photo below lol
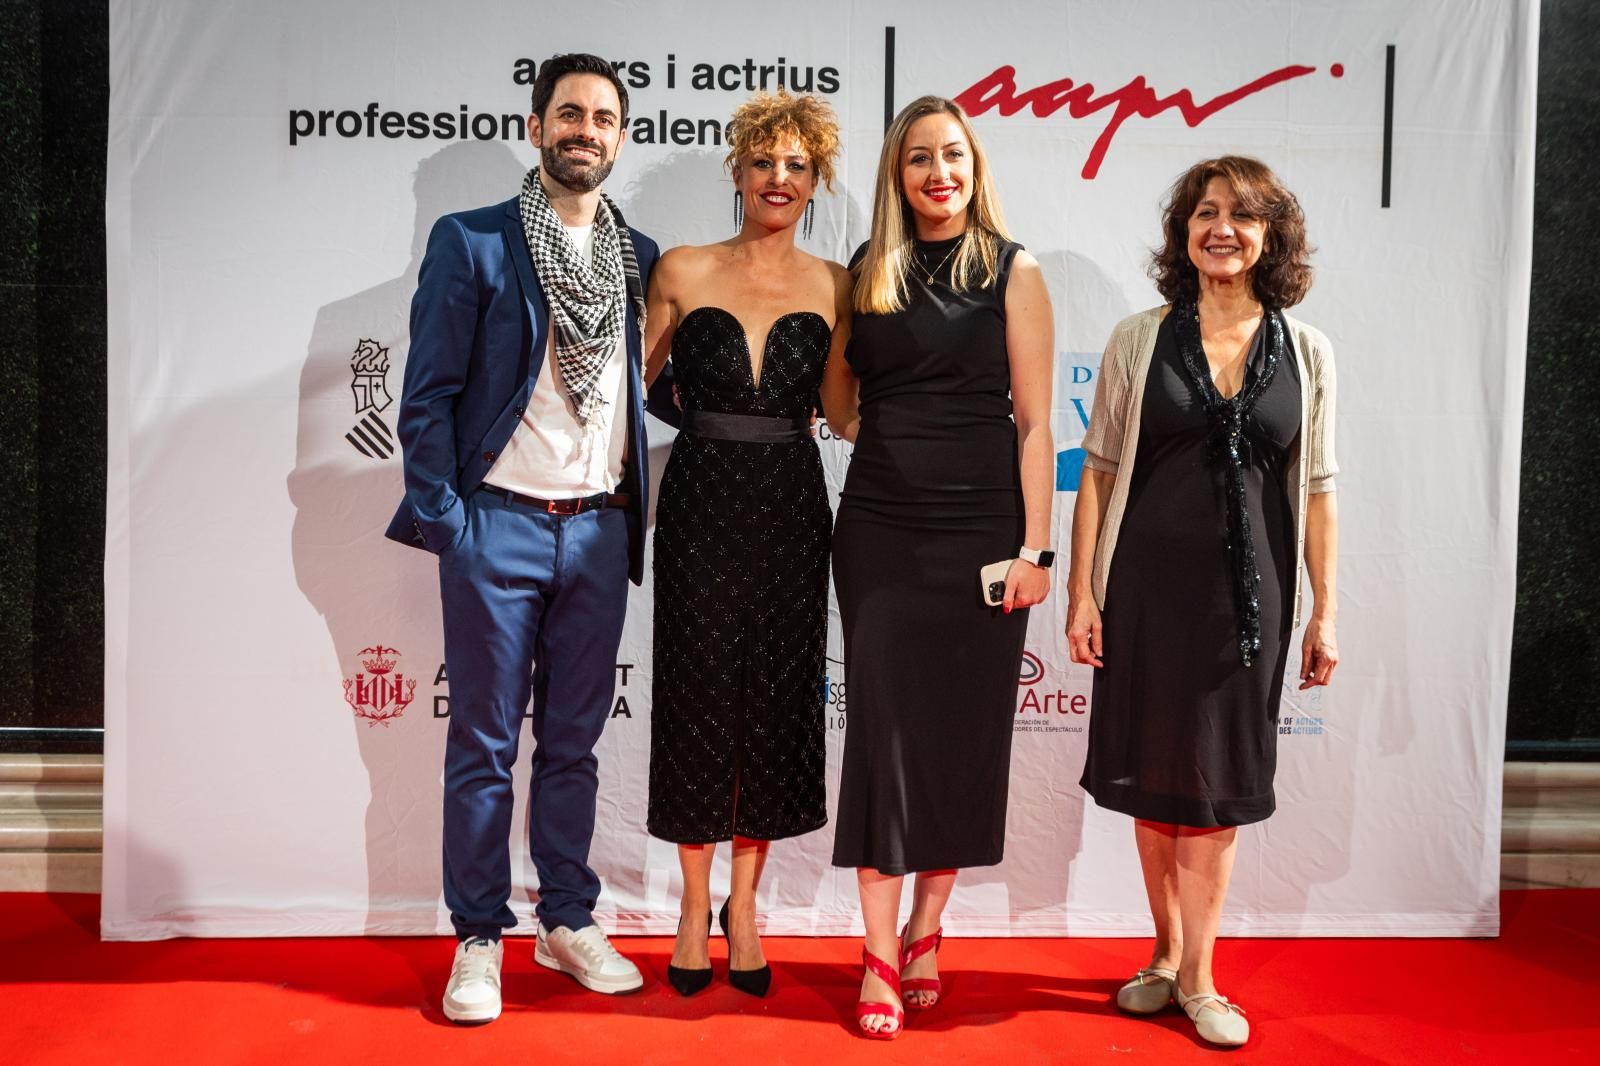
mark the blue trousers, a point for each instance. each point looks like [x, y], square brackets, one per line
[533, 607]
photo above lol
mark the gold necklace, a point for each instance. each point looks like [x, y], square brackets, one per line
[931, 274]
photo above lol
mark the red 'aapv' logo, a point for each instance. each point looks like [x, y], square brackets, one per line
[998, 90]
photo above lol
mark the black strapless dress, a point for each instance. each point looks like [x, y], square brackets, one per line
[741, 589]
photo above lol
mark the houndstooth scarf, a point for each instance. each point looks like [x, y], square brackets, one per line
[586, 299]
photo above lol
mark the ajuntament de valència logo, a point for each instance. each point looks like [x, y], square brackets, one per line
[369, 369]
[380, 693]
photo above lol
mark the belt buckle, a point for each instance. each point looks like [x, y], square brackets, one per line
[572, 506]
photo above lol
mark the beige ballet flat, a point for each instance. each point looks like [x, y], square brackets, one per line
[1142, 996]
[1225, 1028]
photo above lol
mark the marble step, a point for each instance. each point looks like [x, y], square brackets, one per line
[1574, 829]
[50, 871]
[50, 831]
[1552, 785]
[31, 796]
[1550, 869]
[24, 768]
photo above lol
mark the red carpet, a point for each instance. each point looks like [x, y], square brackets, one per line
[1529, 997]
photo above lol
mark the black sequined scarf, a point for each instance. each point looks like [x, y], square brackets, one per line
[1227, 446]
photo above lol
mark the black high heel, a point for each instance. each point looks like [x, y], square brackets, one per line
[750, 982]
[686, 981]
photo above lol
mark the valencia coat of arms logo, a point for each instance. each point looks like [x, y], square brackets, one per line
[380, 694]
[369, 384]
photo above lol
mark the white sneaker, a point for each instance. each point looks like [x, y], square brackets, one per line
[587, 957]
[473, 994]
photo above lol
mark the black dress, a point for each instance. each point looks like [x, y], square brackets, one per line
[741, 589]
[1180, 730]
[932, 495]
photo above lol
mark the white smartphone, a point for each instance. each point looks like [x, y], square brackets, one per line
[992, 578]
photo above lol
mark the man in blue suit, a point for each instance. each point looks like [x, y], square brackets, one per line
[522, 424]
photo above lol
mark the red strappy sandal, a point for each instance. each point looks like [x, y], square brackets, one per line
[914, 951]
[866, 1008]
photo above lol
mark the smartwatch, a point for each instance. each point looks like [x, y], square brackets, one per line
[1037, 556]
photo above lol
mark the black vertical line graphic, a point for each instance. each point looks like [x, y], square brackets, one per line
[1388, 122]
[888, 77]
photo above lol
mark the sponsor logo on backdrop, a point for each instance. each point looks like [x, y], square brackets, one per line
[998, 91]
[379, 693]
[369, 384]
[1042, 708]
[1075, 374]
[619, 704]
[1300, 714]
[1300, 725]
[833, 693]
[1032, 669]
[826, 433]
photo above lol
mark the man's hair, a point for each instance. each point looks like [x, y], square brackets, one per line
[557, 67]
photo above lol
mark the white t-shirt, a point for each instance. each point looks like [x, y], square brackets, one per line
[551, 454]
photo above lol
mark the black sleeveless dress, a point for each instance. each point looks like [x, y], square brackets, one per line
[933, 494]
[1180, 730]
[741, 590]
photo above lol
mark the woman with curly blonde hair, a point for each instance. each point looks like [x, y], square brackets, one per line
[742, 528]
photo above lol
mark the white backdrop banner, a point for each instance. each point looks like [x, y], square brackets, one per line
[276, 706]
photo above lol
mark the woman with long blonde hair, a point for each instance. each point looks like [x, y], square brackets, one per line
[945, 391]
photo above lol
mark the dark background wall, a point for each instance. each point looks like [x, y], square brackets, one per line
[1555, 653]
[53, 94]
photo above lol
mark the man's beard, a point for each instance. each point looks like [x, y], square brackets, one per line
[579, 177]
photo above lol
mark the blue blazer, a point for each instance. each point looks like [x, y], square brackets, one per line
[479, 332]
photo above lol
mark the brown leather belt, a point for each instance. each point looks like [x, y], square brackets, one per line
[575, 505]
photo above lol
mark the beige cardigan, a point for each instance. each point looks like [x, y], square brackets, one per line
[1112, 439]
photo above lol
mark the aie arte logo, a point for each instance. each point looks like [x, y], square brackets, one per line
[369, 384]
[1038, 707]
[1032, 669]
[380, 694]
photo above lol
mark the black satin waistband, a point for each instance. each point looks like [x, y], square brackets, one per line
[751, 429]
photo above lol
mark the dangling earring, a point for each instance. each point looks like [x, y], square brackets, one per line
[811, 216]
[738, 210]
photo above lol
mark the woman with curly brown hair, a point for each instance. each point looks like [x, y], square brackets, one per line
[1207, 495]
[742, 527]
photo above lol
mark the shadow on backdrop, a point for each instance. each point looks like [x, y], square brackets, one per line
[370, 591]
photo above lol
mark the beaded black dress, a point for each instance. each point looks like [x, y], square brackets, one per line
[1181, 731]
[933, 494]
[741, 589]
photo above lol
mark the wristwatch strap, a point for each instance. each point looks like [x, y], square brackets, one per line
[1037, 556]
